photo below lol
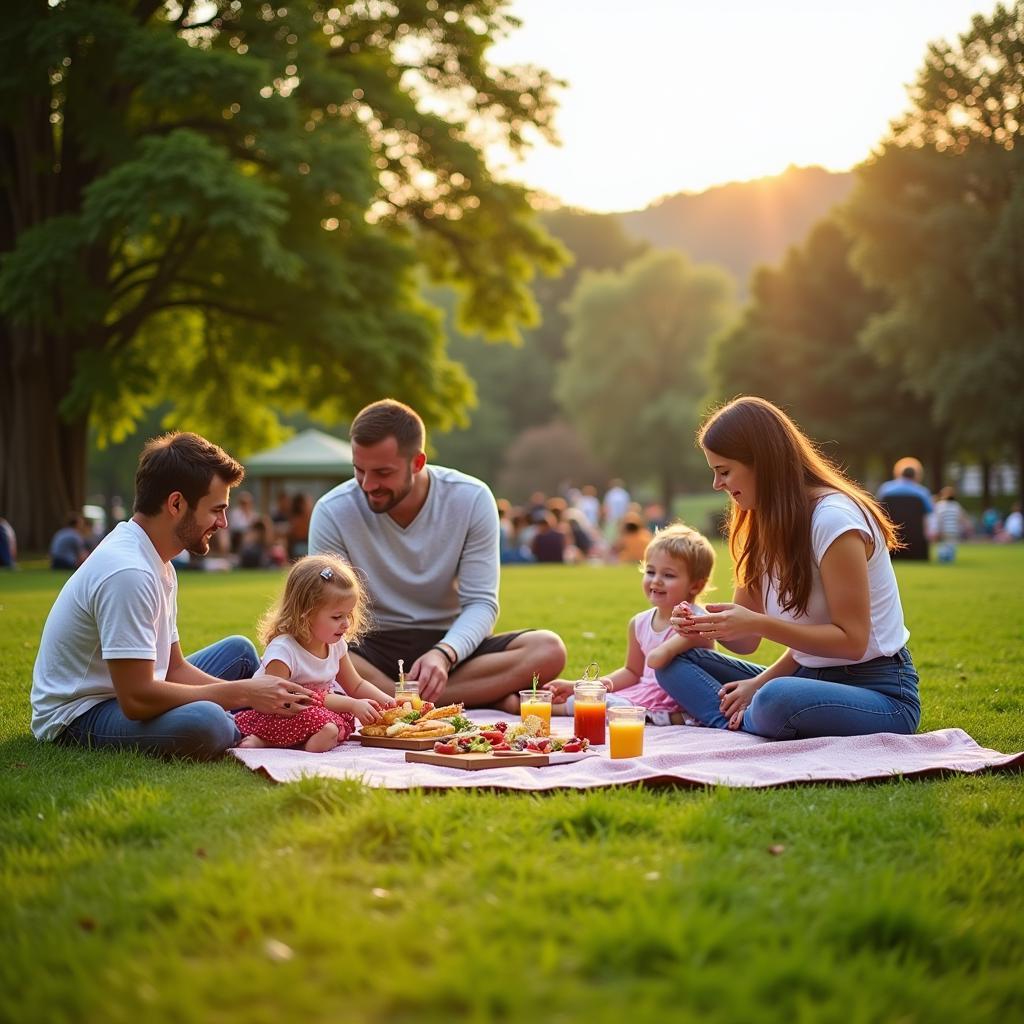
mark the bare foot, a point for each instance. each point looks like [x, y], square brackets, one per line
[510, 704]
[253, 741]
[325, 739]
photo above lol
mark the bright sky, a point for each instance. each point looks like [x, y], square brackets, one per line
[667, 96]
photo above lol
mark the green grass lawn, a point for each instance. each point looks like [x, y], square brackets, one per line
[139, 891]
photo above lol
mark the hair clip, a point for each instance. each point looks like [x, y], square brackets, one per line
[327, 574]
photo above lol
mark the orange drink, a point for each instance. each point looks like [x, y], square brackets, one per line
[626, 731]
[589, 707]
[536, 702]
[407, 692]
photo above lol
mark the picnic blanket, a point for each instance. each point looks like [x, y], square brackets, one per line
[680, 755]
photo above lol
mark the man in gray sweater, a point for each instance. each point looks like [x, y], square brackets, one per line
[426, 539]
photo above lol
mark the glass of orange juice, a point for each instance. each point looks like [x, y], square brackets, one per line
[407, 692]
[626, 731]
[536, 702]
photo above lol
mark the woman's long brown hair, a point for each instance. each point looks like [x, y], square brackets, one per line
[774, 539]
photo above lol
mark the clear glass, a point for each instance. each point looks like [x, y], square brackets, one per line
[626, 731]
[408, 692]
[589, 710]
[538, 703]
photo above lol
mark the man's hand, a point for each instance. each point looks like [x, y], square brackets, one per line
[431, 672]
[275, 696]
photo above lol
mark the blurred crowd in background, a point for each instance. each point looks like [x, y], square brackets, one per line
[581, 525]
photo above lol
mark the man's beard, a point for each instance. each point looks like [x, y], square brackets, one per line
[393, 497]
[191, 537]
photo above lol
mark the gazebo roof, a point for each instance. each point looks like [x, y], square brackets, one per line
[311, 453]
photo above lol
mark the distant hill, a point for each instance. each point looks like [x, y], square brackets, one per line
[743, 224]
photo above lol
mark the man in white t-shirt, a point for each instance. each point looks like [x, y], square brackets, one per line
[110, 672]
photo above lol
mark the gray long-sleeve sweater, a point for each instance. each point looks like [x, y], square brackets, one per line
[439, 572]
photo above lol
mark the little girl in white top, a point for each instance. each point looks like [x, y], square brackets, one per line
[677, 565]
[307, 634]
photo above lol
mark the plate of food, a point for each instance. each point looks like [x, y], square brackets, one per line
[407, 728]
[501, 747]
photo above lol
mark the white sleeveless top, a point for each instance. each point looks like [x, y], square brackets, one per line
[834, 515]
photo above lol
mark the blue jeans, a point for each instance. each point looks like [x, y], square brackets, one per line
[845, 700]
[201, 730]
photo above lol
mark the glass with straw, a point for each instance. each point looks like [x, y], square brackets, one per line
[537, 703]
[407, 691]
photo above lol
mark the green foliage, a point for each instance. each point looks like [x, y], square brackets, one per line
[937, 220]
[232, 207]
[797, 345]
[515, 384]
[138, 890]
[637, 347]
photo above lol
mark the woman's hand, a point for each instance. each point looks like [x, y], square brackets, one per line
[724, 622]
[735, 698]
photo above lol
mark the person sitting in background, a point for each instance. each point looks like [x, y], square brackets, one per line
[241, 516]
[68, 549]
[254, 551]
[1013, 527]
[632, 540]
[585, 538]
[8, 545]
[548, 544]
[298, 525]
[951, 524]
[990, 522]
[908, 502]
[510, 550]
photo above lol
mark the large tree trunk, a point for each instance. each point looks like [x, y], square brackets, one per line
[986, 483]
[42, 456]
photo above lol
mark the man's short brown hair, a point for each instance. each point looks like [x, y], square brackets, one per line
[180, 461]
[389, 418]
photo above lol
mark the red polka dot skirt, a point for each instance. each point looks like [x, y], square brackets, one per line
[287, 732]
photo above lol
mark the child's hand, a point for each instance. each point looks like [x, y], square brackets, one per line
[367, 711]
[682, 616]
[561, 690]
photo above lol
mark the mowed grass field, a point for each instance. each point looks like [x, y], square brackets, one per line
[139, 891]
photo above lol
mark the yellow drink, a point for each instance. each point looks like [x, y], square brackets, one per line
[626, 739]
[540, 708]
[409, 697]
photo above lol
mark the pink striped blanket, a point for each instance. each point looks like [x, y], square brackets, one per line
[680, 755]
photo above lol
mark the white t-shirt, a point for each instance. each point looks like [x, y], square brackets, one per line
[121, 603]
[834, 515]
[305, 668]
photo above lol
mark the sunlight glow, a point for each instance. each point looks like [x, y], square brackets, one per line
[667, 96]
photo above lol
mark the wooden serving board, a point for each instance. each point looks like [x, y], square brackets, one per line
[478, 762]
[398, 742]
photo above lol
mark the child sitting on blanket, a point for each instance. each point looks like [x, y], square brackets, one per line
[307, 634]
[676, 567]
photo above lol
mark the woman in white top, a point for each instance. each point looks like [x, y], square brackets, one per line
[811, 553]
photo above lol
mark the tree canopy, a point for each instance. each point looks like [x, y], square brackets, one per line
[235, 206]
[797, 345]
[635, 374]
[938, 223]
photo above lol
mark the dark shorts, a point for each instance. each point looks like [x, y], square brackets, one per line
[383, 648]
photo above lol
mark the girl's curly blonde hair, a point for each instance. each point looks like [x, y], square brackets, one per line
[313, 580]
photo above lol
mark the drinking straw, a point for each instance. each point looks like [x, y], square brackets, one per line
[536, 680]
[401, 671]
